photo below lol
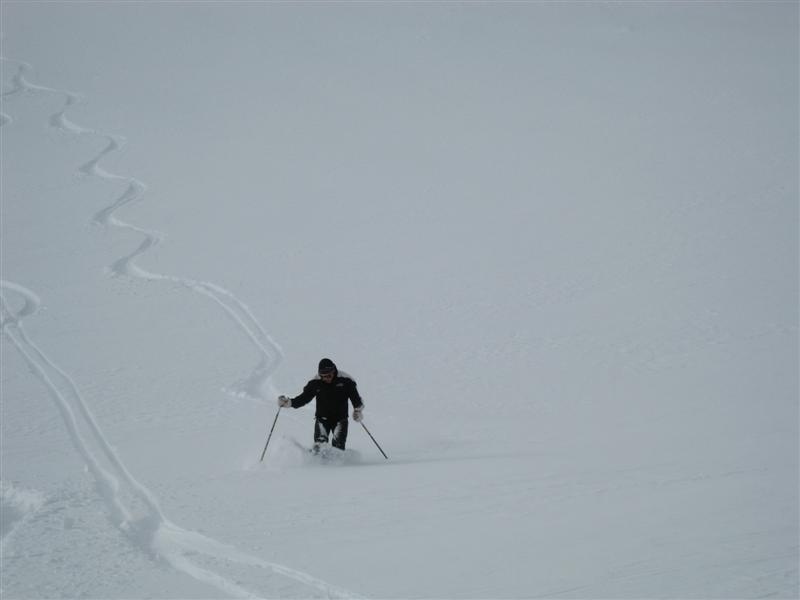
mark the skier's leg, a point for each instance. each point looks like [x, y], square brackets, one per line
[340, 434]
[321, 433]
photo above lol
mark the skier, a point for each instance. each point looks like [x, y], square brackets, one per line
[332, 389]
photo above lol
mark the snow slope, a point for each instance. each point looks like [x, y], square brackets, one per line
[555, 243]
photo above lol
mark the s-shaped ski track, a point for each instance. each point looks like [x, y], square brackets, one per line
[133, 507]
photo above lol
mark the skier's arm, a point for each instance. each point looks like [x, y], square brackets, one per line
[355, 397]
[358, 403]
[306, 396]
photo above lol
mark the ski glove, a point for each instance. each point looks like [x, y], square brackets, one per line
[284, 401]
[358, 414]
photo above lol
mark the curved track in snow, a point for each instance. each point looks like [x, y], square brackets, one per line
[133, 507]
[269, 351]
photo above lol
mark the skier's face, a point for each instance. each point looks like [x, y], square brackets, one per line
[326, 377]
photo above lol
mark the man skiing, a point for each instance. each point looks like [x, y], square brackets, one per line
[332, 389]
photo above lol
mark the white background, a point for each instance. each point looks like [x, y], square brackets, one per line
[555, 244]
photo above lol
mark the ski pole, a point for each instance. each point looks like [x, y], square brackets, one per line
[373, 439]
[269, 437]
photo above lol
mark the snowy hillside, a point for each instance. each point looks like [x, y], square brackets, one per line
[556, 244]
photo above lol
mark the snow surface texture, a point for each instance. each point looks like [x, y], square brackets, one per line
[556, 244]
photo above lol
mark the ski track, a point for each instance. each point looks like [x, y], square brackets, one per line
[133, 507]
[19, 506]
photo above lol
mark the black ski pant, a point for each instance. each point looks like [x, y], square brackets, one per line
[324, 427]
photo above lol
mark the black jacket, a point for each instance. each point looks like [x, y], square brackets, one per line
[331, 397]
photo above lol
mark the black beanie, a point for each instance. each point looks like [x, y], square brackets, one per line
[326, 365]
